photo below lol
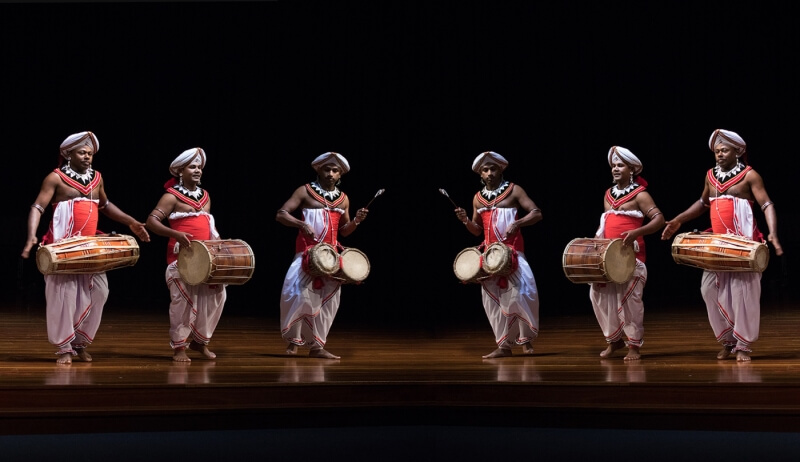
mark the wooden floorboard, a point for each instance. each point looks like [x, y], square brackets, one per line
[409, 377]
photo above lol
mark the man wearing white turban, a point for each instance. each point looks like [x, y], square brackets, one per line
[733, 299]
[618, 307]
[194, 310]
[511, 300]
[77, 193]
[309, 302]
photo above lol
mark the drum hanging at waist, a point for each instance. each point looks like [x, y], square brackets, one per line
[87, 254]
[354, 266]
[221, 261]
[720, 252]
[468, 266]
[588, 260]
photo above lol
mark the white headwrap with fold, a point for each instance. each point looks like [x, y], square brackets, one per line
[77, 140]
[488, 156]
[728, 137]
[625, 156]
[185, 159]
[331, 158]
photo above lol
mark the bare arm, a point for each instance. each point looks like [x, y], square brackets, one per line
[533, 215]
[474, 225]
[695, 210]
[46, 193]
[115, 213]
[164, 207]
[768, 207]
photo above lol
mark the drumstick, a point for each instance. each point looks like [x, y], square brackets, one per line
[380, 191]
[444, 193]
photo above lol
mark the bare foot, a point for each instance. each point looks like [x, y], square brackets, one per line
[65, 358]
[498, 353]
[725, 352]
[612, 347]
[291, 349]
[742, 356]
[322, 353]
[633, 353]
[203, 349]
[527, 348]
[180, 356]
[83, 354]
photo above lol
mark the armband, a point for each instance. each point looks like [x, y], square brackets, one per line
[38, 207]
[704, 204]
[766, 204]
[104, 205]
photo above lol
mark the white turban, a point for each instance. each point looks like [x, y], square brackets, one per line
[728, 137]
[77, 140]
[331, 158]
[626, 156]
[489, 156]
[185, 159]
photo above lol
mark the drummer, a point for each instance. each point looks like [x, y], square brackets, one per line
[77, 193]
[194, 310]
[511, 302]
[733, 299]
[618, 307]
[309, 302]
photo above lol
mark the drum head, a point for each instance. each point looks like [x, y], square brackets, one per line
[44, 260]
[467, 265]
[324, 258]
[194, 263]
[496, 258]
[760, 258]
[620, 262]
[355, 264]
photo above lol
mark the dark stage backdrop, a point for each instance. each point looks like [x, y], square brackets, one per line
[410, 92]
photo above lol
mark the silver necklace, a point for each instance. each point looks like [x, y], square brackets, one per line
[724, 176]
[617, 193]
[195, 194]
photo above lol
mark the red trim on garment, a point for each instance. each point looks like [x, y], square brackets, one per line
[195, 204]
[83, 189]
[615, 203]
[322, 199]
[482, 200]
[722, 187]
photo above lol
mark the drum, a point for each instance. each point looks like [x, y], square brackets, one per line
[323, 260]
[467, 265]
[588, 260]
[222, 261]
[498, 259]
[87, 254]
[720, 252]
[354, 266]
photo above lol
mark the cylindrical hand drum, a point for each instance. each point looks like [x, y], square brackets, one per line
[323, 260]
[588, 260]
[87, 254]
[720, 252]
[222, 261]
[497, 259]
[467, 265]
[355, 266]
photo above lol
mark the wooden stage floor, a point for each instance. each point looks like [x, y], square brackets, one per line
[400, 378]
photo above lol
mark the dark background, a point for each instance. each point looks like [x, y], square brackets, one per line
[409, 92]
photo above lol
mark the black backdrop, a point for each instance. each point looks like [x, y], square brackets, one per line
[410, 92]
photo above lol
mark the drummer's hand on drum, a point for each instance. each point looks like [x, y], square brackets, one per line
[185, 240]
[140, 231]
[461, 214]
[628, 238]
[26, 251]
